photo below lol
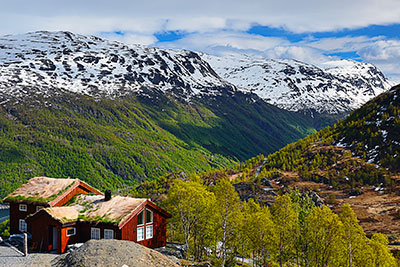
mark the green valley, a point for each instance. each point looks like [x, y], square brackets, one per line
[116, 143]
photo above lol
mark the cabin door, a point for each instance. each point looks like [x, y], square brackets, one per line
[54, 237]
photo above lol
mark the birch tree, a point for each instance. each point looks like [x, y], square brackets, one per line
[190, 204]
[227, 213]
[324, 234]
[355, 241]
[285, 219]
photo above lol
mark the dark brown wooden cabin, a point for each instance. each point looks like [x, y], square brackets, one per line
[94, 217]
[41, 192]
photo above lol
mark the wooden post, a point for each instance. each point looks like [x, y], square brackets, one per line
[25, 244]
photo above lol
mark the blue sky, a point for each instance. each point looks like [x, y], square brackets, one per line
[373, 44]
[315, 31]
[382, 32]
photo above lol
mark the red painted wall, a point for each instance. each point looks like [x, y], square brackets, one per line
[85, 230]
[40, 230]
[41, 226]
[129, 231]
[16, 215]
[78, 190]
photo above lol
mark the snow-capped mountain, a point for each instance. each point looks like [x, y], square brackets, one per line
[47, 63]
[50, 63]
[297, 86]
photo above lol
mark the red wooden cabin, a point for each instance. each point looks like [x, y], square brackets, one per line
[96, 217]
[41, 192]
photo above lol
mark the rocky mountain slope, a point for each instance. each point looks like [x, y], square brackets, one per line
[356, 161]
[49, 63]
[298, 86]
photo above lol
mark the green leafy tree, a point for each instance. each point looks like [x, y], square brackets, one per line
[227, 210]
[285, 219]
[190, 203]
[303, 205]
[355, 241]
[381, 253]
[261, 232]
[324, 234]
[5, 229]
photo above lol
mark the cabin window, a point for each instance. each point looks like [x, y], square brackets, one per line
[71, 231]
[22, 226]
[108, 234]
[23, 207]
[149, 231]
[140, 218]
[140, 234]
[39, 208]
[149, 216]
[95, 233]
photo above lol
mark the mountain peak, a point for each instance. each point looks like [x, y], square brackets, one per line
[297, 86]
[47, 63]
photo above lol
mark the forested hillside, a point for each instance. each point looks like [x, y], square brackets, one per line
[360, 150]
[116, 143]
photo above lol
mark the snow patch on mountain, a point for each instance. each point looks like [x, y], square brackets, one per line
[49, 63]
[296, 86]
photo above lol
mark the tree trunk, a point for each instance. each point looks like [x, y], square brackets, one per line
[224, 243]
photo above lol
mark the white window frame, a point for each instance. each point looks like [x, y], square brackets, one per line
[152, 216]
[23, 227]
[39, 208]
[74, 231]
[140, 238]
[23, 207]
[94, 233]
[149, 233]
[108, 234]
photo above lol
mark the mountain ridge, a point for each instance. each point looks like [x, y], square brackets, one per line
[297, 86]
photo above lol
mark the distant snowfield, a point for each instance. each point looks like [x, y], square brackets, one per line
[296, 86]
[50, 63]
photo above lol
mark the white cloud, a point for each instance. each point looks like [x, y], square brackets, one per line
[302, 53]
[96, 15]
[342, 44]
[130, 38]
[382, 50]
[223, 41]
